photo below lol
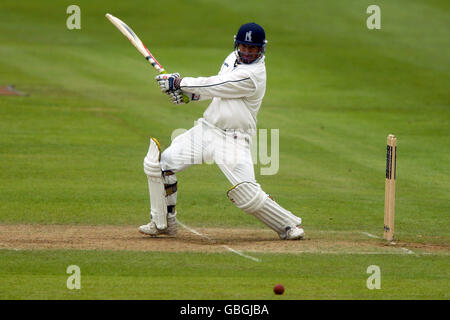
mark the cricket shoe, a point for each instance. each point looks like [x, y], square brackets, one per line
[293, 233]
[151, 230]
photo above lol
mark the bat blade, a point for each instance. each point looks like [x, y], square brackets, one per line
[135, 41]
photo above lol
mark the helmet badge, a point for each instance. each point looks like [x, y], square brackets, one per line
[248, 36]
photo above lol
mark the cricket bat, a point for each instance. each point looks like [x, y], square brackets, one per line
[137, 43]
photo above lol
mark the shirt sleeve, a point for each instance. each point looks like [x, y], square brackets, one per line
[196, 97]
[235, 84]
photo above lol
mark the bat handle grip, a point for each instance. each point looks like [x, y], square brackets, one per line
[185, 98]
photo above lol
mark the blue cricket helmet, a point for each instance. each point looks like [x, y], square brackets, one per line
[251, 34]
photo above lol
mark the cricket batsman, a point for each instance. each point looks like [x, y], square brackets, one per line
[223, 136]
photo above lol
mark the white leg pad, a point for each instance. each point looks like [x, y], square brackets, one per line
[249, 197]
[152, 169]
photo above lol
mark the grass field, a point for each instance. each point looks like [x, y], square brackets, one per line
[71, 152]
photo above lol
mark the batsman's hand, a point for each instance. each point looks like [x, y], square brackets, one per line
[169, 82]
[178, 97]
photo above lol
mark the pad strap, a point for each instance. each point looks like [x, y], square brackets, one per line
[170, 188]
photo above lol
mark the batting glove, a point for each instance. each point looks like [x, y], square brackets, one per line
[178, 97]
[168, 82]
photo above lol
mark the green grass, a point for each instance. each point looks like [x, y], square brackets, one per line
[132, 275]
[72, 151]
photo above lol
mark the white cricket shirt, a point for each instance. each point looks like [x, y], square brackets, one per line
[237, 93]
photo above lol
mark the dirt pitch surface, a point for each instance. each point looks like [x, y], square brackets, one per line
[81, 237]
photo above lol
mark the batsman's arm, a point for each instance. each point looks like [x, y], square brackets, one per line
[230, 85]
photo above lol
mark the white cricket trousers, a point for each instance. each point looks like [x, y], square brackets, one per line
[205, 143]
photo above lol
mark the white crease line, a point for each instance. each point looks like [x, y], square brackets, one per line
[407, 251]
[224, 246]
[241, 254]
[370, 235]
[193, 231]
[392, 243]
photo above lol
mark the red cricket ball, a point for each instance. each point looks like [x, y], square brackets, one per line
[278, 289]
